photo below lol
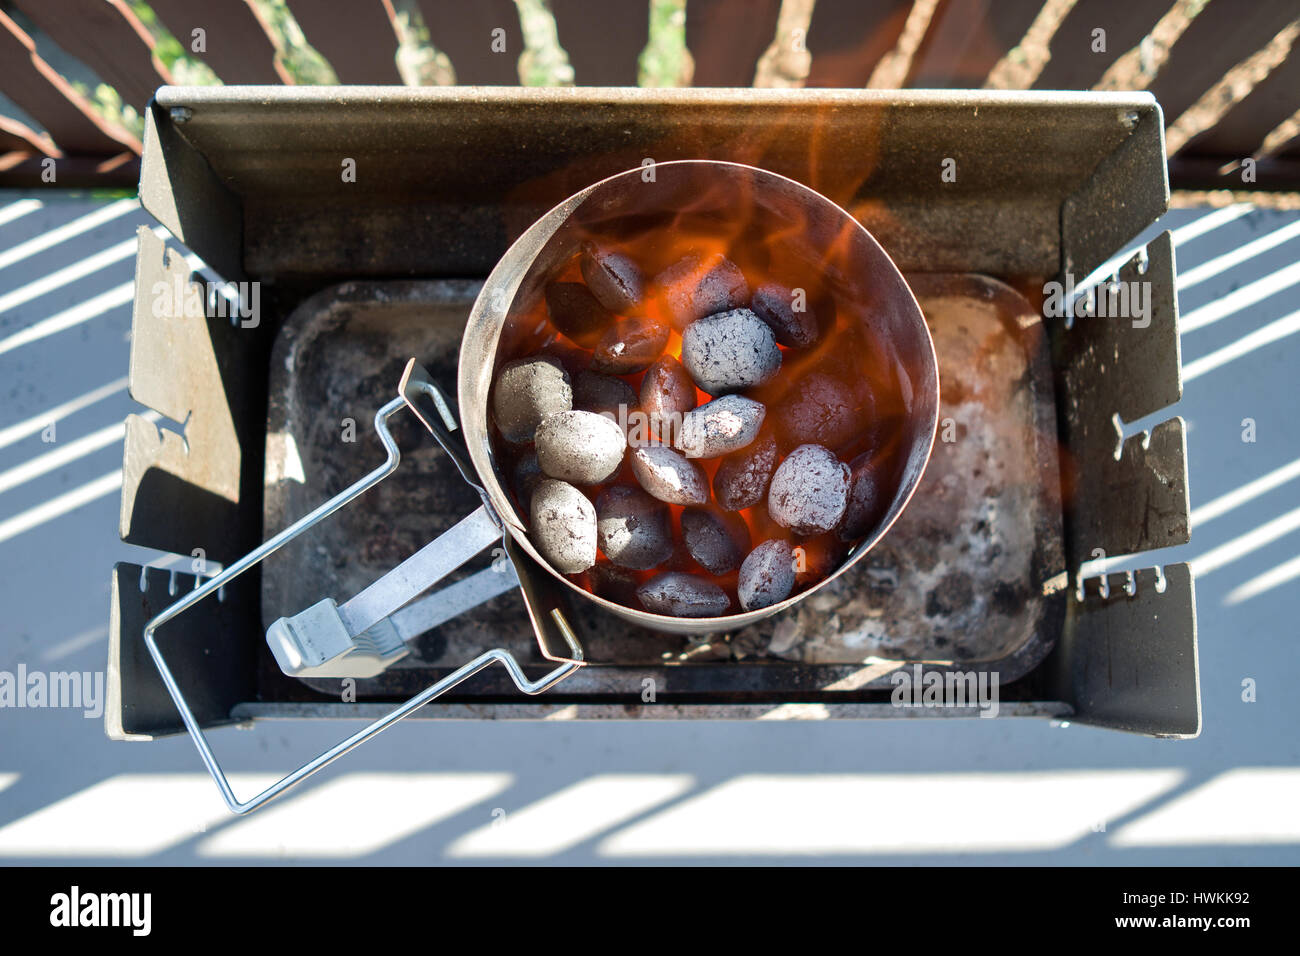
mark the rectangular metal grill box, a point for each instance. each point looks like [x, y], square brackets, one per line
[368, 217]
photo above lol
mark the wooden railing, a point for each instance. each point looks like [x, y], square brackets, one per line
[1226, 72]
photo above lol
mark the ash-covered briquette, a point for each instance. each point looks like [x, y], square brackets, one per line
[742, 477]
[683, 595]
[809, 491]
[697, 286]
[563, 526]
[576, 313]
[634, 530]
[720, 427]
[603, 394]
[767, 575]
[613, 278]
[716, 540]
[730, 351]
[775, 305]
[630, 345]
[667, 393]
[823, 410]
[526, 475]
[580, 447]
[866, 501]
[669, 476]
[527, 391]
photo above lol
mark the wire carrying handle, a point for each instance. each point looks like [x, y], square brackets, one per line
[399, 583]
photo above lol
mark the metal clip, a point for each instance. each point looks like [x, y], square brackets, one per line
[360, 637]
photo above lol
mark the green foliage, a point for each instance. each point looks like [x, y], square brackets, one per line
[185, 70]
[544, 62]
[663, 61]
[292, 51]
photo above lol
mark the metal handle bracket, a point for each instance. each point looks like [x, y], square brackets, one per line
[366, 623]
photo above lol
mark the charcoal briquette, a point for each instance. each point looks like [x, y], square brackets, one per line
[716, 540]
[667, 393]
[823, 410]
[809, 491]
[679, 594]
[563, 526]
[730, 351]
[615, 584]
[571, 358]
[700, 285]
[629, 346]
[742, 477]
[776, 305]
[526, 392]
[576, 313]
[719, 427]
[767, 575]
[669, 476]
[634, 530]
[866, 498]
[580, 447]
[603, 394]
[613, 279]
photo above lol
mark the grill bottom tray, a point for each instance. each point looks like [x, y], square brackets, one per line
[972, 574]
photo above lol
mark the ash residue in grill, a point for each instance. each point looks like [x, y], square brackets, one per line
[580, 447]
[775, 305]
[953, 593]
[526, 392]
[669, 476]
[593, 392]
[730, 351]
[576, 313]
[809, 491]
[697, 286]
[683, 595]
[431, 645]
[1010, 597]
[629, 346]
[563, 526]
[634, 530]
[716, 540]
[767, 575]
[720, 427]
[613, 278]
[742, 478]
